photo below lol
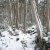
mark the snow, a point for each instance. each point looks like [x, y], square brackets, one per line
[45, 38]
[18, 42]
[40, 1]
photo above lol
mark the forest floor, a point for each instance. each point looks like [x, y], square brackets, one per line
[17, 40]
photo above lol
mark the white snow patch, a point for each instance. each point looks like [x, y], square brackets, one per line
[40, 1]
[9, 42]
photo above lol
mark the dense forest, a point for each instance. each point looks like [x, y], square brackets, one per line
[17, 13]
[24, 24]
[20, 13]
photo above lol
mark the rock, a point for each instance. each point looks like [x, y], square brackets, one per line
[24, 44]
[6, 45]
[0, 34]
[13, 29]
[10, 32]
[17, 39]
[3, 36]
[16, 33]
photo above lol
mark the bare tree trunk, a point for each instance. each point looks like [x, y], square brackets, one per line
[18, 11]
[39, 24]
[25, 15]
[16, 18]
[11, 13]
[46, 15]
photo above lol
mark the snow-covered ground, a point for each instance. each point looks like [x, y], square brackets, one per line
[17, 40]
